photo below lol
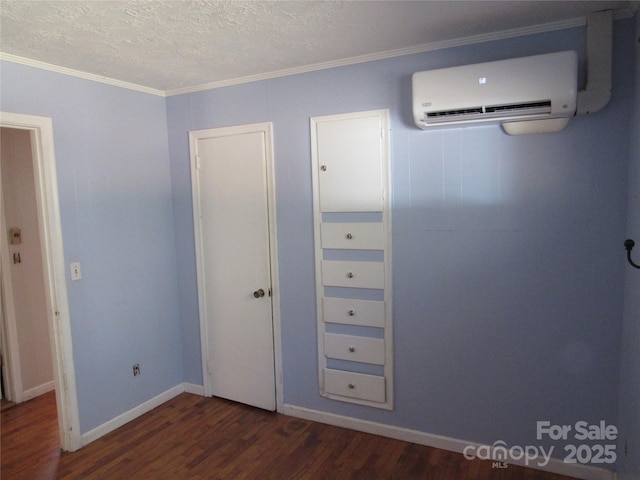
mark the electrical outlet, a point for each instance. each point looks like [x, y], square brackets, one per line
[136, 370]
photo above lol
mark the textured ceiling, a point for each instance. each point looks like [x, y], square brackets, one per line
[171, 45]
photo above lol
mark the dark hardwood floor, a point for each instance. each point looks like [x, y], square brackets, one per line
[196, 438]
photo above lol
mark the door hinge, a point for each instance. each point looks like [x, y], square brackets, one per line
[209, 368]
[197, 162]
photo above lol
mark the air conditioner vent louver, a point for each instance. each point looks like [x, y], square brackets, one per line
[515, 107]
[450, 113]
[540, 87]
[478, 113]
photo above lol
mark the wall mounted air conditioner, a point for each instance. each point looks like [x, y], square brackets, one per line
[527, 95]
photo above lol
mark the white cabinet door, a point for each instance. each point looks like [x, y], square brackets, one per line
[349, 155]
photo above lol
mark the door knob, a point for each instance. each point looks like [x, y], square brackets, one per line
[258, 293]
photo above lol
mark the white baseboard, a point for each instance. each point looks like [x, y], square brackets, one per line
[139, 410]
[130, 415]
[193, 388]
[37, 391]
[554, 465]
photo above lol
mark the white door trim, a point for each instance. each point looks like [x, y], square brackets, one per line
[194, 136]
[54, 271]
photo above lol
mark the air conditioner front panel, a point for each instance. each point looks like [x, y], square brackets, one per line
[541, 86]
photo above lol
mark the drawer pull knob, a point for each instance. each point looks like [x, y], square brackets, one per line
[323, 168]
[350, 275]
[349, 236]
[352, 386]
[351, 313]
[352, 349]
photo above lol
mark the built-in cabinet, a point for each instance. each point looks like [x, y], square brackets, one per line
[352, 226]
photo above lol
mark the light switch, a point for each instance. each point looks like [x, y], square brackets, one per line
[76, 274]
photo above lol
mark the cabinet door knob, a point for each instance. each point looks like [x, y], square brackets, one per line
[349, 236]
[352, 349]
[351, 313]
[352, 386]
[323, 168]
[350, 275]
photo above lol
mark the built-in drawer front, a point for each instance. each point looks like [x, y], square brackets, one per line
[354, 385]
[367, 313]
[361, 236]
[337, 273]
[354, 348]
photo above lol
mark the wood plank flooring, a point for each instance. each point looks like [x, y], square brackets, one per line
[6, 404]
[196, 438]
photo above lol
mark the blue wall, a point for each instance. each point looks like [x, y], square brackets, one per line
[508, 278]
[508, 281]
[629, 420]
[117, 220]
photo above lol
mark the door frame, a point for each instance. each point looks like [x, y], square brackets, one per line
[11, 368]
[58, 318]
[195, 135]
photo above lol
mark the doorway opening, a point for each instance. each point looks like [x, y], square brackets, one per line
[24, 312]
[46, 253]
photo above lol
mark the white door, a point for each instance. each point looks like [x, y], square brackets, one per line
[234, 270]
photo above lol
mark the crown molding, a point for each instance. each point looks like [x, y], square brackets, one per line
[80, 74]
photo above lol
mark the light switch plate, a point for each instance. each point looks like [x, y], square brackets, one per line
[76, 274]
